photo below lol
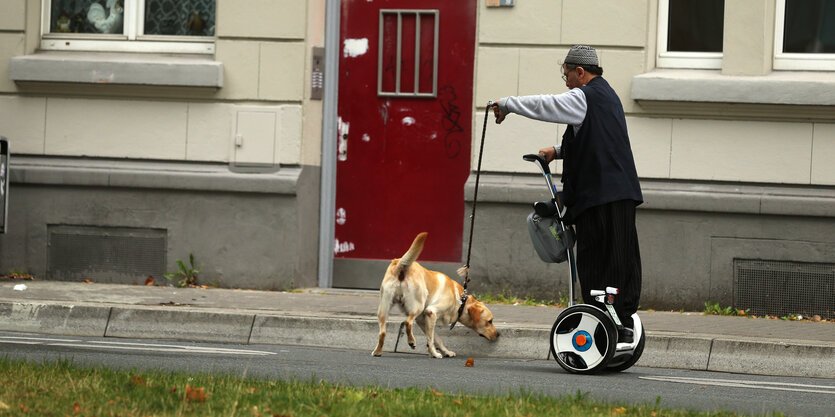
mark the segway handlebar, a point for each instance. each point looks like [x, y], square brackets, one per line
[539, 160]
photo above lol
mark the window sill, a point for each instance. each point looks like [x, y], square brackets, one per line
[117, 68]
[795, 88]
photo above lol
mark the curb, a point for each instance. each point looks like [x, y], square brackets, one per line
[678, 351]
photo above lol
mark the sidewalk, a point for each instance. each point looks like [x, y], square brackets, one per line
[347, 319]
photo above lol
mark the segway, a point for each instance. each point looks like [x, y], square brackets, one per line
[584, 338]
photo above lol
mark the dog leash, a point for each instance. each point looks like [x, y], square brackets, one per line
[465, 270]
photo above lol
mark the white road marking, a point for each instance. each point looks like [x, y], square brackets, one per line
[97, 344]
[776, 386]
[39, 339]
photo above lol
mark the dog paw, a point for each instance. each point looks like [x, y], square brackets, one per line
[436, 355]
[377, 353]
[449, 354]
[412, 345]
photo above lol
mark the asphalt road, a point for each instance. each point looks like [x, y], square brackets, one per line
[705, 391]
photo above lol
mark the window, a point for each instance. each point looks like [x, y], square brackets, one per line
[804, 38]
[182, 26]
[407, 56]
[690, 33]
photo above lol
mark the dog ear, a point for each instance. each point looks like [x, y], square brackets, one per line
[474, 310]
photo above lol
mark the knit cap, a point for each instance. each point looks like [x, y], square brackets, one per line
[582, 55]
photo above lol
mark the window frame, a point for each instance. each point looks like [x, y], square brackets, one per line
[668, 59]
[132, 40]
[796, 61]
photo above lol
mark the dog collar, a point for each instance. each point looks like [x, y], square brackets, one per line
[463, 302]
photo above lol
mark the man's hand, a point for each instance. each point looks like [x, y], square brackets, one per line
[548, 153]
[498, 113]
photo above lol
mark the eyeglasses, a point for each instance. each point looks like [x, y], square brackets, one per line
[565, 74]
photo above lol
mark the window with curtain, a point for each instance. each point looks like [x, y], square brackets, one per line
[161, 25]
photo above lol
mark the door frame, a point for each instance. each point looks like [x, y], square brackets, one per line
[327, 200]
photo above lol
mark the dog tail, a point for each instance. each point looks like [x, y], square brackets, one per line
[412, 254]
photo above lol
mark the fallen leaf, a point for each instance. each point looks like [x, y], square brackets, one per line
[254, 411]
[620, 410]
[23, 407]
[173, 390]
[470, 362]
[459, 402]
[816, 318]
[76, 409]
[252, 390]
[149, 281]
[87, 281]
[4, 406]
[138, 381]
[135, 284]
[196, 394]
[437, 394]
[111, 402]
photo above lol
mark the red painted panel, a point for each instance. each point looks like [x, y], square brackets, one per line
[401, 170]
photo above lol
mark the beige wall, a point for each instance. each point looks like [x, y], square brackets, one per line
[265, 53]
[521, 47]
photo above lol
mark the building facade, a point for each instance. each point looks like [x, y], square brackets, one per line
[143, 131]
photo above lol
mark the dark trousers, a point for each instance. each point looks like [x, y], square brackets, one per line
[608, 255]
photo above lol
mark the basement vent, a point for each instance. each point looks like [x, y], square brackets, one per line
[105, 254]
[783, 288]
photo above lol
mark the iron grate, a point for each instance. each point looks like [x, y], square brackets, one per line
[783, 288]
[105, 254]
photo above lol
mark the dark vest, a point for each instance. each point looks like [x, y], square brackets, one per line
[598, 166]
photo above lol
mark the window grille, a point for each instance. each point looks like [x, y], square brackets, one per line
[407, 56]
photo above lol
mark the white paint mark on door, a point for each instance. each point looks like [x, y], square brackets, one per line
[342, 128]
[354, 47]
[343, 247]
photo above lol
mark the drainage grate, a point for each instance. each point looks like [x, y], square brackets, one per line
[105, 254]
[782, 288]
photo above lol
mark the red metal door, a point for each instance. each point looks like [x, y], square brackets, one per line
[404, 130]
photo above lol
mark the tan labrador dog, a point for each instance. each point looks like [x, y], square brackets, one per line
[430, 298]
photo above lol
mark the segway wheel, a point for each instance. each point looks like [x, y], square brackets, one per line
[583, 339]
[636, 354]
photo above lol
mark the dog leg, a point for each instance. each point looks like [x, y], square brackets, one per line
[431, 319]
[421, 321]
[444, 350]
[382, 314]
[410, 337]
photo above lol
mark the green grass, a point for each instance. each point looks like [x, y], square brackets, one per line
[63, 389]
[508, 298]
[715, 309]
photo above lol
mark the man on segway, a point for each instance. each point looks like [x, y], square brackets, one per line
[600, 182]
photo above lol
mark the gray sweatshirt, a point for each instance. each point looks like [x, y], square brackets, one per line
[567, 108]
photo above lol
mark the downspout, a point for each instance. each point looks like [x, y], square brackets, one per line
[327, 199]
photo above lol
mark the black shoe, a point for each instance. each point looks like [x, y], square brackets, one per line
[626, 335]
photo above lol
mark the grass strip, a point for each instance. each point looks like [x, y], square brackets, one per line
[64, 389]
